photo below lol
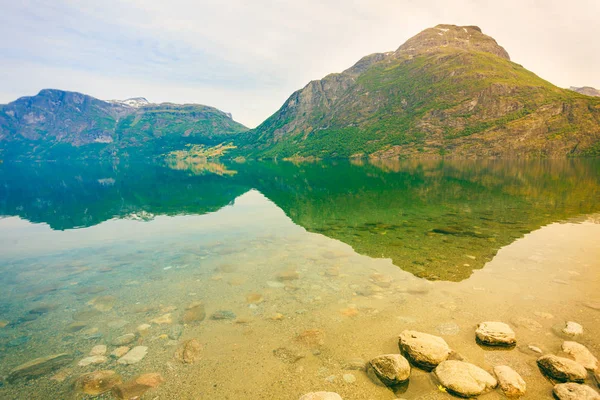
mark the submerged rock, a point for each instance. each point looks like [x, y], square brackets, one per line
[189, 351]
[135, 388]
[422, 349]
[98, 382]
[562, 369]
[143, 329]
[510, 381]
[495, 334]
[163, 320]
[311, 338]
[134, 355]
[92, 360]
[321, 396]
[194, 312]
[287, 356]
[574, 391]
[254, 298]
[123, 339]
[581, 354]
[119, 352]
[98, 350]
[390, 369]
[357, 364]
[464, 379]
[223, 314]
[39, 367]
[103, 303]
[289, 275]
[175, 332]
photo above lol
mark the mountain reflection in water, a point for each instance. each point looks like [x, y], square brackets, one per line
[438, 220]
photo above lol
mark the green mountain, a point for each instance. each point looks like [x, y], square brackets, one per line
[448, 90]
[56, 124]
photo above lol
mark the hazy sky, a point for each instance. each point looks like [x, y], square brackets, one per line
[247, 57]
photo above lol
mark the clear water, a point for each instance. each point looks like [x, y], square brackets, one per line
[319, 264]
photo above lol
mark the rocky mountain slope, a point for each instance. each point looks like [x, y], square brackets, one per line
[448, 90]
[587, 90]
[56, 124]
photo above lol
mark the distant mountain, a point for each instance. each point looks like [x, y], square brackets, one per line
[448, 90]
[56, 124]
[587, 90]
[135, 102]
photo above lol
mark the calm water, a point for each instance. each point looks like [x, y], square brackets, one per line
[309, 266]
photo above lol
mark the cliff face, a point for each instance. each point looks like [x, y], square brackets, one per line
[57, 124]
[448, 90]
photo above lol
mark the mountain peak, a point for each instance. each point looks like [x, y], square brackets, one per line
[469, 38]
[135, 102]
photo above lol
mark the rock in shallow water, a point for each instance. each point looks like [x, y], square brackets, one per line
[581, 354]
[562, 369]
[92, 360]
[135, 388]
[98, 350]
[223, 314]
[97, 382]
[189, 351]
[194, 312]
[495, 334]
[321, 396]
[510, 381]
[123, 339]
[423, 350]
[390, 369]
[575, 391]
[572, 329]
[464, 379]
[134, 355]
[38, 367]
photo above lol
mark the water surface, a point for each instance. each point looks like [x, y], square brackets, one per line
[317, 264]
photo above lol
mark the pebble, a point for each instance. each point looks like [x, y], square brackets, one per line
[357, 364]
[143, 329]
[275, 285]
[98, 382]
[195, 312]
[123, 339]
[349, 378]
[223, 314]
[163, 320]
[98, 350]
[38, 367]
[92, 360]
[175, 332]
[119, 352]
[390, 369]
[134, 355]
[189, 351]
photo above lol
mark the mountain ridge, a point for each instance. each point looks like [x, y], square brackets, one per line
[449, 90]
[56, 123]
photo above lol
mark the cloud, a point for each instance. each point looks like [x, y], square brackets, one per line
[247, 57]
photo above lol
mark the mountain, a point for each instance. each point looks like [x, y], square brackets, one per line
[56, 124]
[448, 90]
[587, 90]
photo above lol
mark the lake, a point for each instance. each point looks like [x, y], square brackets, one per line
[268, 280]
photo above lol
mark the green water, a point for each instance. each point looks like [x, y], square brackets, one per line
[90, 252]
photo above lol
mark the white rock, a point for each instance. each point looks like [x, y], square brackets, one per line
[98, 350]
[573, 329]
[495, 334]
[581, 354]
[464, 379]
[562, 369]
[92, 360]
[422, 349]
[349, 378]
[575, 391]
[510, 381]
[134, 355]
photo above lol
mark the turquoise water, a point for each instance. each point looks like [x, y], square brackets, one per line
[299, 268]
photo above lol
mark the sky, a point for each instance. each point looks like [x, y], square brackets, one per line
[248, 57]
